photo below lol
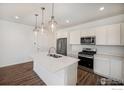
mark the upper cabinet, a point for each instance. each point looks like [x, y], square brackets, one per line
[84, 33]
[105, 35]
[101, 35]
[88, 32]
[122, 34]
[113, 34]
[108, 35]
[61, 34]
[75, 37]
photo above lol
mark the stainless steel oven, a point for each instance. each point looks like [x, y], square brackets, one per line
[86, 61]
[86, 57]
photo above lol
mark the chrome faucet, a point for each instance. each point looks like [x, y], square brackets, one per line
[51, 49]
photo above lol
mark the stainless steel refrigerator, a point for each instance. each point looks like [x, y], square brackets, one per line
[62, 46]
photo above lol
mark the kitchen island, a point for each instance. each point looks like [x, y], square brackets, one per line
[56, 71]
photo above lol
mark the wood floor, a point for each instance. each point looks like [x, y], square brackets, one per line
[87, 78]
[23, 74]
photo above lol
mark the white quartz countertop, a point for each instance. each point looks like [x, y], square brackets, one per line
[96, 56]
[53, 64]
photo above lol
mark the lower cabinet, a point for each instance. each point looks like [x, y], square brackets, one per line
[109, 67]
[101, 66]
[116, 69]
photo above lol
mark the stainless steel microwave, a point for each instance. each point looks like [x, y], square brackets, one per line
[88, 40]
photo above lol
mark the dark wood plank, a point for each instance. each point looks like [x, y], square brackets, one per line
[86, 77]
[20, 74]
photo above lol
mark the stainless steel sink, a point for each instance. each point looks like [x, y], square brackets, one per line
[54, 55]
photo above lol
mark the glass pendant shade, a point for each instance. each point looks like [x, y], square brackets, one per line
[42, 28]
[36, 28]
[52, 22]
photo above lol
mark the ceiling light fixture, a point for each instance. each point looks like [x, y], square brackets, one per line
[36, 29]
[52, 22]
[42, 23]
[67, 21]
[101, 8]
[16, 17]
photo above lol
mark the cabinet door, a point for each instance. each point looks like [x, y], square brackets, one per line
[61, 34]
[92, 32]
[101, 36]
[102, 67]
[75, 37]
[113, 34]
[116, 68]
[123, 69]
[84, 33]
[88, 32]
[122, 34]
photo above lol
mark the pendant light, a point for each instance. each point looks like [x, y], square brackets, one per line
[36, 29]
[52, 22]
[42, 22]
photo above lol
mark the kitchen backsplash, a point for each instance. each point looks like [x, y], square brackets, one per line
[111, 50]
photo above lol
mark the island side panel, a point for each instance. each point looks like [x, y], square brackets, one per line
[50, 78]
[71, 74]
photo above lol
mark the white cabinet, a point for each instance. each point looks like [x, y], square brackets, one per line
[101, 66]
[61, 34]
[101, 36]
[122, 34]
[88, 32]
[92, 32]
[84, 33]
[116, 68]
[113, 34]
[109, 66]
[75, 37]
[108, 35]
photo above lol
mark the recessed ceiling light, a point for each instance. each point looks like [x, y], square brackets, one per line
[101, 8]
[67, 21]
[16, 17]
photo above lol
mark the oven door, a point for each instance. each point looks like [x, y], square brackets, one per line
[86, 62]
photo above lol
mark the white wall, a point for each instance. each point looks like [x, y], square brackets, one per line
[16, 43]
[116, 50]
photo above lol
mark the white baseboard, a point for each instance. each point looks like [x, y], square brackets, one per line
[17, 62]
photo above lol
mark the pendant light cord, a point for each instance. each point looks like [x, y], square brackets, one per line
[36, 20]
[42, 14]
[53, 9]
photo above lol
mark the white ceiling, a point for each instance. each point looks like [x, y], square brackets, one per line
[77, 13]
